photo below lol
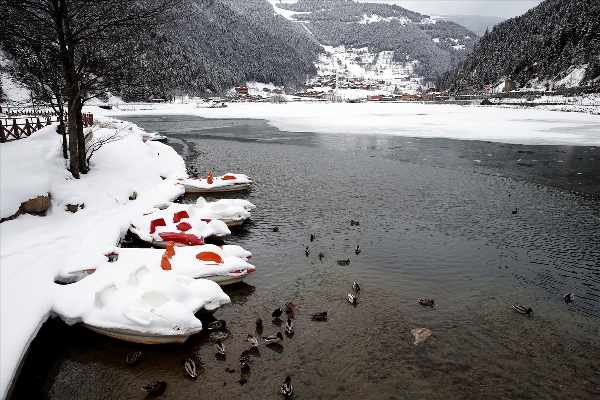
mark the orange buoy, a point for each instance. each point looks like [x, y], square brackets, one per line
[210, 178]
[164, 263]
[209, 256]
[170, 249]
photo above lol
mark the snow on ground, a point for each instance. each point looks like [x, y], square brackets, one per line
[35, 250]
[506, 125]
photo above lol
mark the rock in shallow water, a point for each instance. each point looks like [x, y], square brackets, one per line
[420, 335]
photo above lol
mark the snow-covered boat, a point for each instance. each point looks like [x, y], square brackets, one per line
[220, 184]
[139, 304]
[163, 226]
[233, 212]
[224, 265]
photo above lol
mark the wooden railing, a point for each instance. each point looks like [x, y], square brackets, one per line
[16, 131]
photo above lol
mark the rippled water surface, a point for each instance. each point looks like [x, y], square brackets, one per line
[435, 221]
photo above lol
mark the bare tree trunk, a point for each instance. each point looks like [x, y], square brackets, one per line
[81, 138]
[73, 145]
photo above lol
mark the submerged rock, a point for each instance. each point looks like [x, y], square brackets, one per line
[420, 335]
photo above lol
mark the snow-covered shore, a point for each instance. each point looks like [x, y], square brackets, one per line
[506, 125]
[35, 250]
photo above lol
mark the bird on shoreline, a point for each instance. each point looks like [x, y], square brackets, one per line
[321, 255]
[217, 325]
[306, 251]
[275, 229]
[322, 316]
[131, 358]
[220, 347]
[286, 388]
[289, 307]
[312, 237]
[252, 340]
[353, 222]
[273, 339]
[244, 359]
[154, 386]
[277, 313]
[355, 286]
[343, 262]
[190, 367]
[289, 327]
[357, 251]
[352, 298]
[521, 309]
[569, 297]
[427, 302]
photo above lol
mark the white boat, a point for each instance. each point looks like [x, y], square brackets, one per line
[134, 303]
[234, 212]
[141, 337]
[160, 227]
[220, 184]
[224, 265]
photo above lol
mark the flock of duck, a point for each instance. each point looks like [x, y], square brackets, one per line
[272, 341]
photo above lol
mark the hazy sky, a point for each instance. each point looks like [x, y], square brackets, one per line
[493, 8]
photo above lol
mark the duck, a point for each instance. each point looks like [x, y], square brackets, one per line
[352, 298]
[569, 297]
[343, 262]
[155, 386]
[277, 313]
[357, 251]
[286, 387]
[514, 211]
[217, 325]
[356, 286]
[190, 367]
[289, 307]
[244, 359]
[321, 255]
[252, 340]
[131, 358]
[322, 316]
[353, 222]
[306, 251]
[220, 347]
[427, 302]
[312, 237]
[275, 229]
[289, 327]
[521, 309]
[273, 339]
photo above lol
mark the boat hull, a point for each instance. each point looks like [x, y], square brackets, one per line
[222, 189]
[140, 337]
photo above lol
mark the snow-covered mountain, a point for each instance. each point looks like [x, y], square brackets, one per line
[556, 44]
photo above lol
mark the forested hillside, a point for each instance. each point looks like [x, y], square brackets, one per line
[438, 45]
[543, 45]
[212, 45]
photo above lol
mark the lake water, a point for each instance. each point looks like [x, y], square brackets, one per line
[436, 221]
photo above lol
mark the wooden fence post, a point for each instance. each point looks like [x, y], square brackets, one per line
[15, 129]
[2, 135]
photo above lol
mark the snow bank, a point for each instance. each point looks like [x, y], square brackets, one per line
[35, 250]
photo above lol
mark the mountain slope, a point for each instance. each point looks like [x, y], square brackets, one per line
[212, 45]
[545, 44]
[438, 45]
